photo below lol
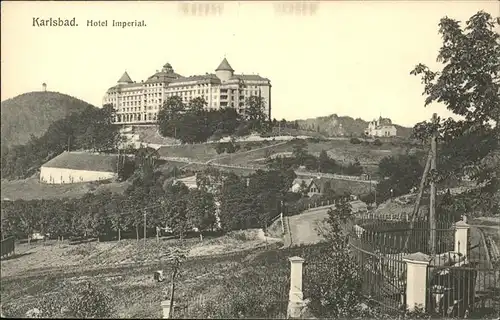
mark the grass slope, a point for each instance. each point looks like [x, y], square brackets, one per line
[33, 113]
[134, 293]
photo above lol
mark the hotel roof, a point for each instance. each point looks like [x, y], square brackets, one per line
[163, 76]
[207, 77]
[224, 66]
[125, 78]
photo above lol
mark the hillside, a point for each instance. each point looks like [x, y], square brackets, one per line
[333, 125]
[33, 112]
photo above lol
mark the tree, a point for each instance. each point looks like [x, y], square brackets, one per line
[146, 160]
[335, 284]
[115, 209]
[323, 161]
[27, 215]
[303, 188]
[468, 86]
[201, 210]
[400, 173]
[168, 116]
[236, 209]
[328, 191]
[354, 169]
[254, 111]
[197, 105]
[299, 151]
[177, 209]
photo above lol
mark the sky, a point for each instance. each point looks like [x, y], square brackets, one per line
[345, 57]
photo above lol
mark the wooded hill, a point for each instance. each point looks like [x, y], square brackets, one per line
[32, 113]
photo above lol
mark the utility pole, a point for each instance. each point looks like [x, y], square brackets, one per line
[432, 204]
[145, 228]
[419, 196]
[281, 216]
[69, 140]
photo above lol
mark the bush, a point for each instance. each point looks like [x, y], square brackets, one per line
[377, 142]
[218, 134]
[333, 285]
[254, 294]
[355, 140]
[242, 130]
[73, 300]
[220, 147]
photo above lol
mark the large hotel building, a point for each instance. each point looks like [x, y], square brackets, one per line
[138, 103]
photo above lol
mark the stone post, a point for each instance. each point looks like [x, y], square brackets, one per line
[165, 304]
[296, 297]
[416, 280]
[462, 237]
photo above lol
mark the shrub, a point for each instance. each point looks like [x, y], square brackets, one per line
[242, 130]
[333, 281]
[220, 147]
[218, 134]
[355, 140]
[377, 142]
[253, 294]
[72, 300]
[333, 285]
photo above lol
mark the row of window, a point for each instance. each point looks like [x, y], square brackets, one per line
[134, 117]
[184, 97]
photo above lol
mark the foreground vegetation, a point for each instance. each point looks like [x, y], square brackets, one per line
[245, 284]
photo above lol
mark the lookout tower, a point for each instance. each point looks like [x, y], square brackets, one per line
[44, 87]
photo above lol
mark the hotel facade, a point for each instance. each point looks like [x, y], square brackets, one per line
[139, 102]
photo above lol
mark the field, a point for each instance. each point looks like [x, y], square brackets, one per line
[197, 152]
[134, 293]
[341, 150]
[345, 151]
[31, 188]
[150, 134]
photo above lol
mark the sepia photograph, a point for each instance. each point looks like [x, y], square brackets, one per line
[250, 159]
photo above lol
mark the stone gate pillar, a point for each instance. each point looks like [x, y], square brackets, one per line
[296, 297]
[416, 280]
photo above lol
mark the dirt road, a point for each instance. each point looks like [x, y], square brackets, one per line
[303, 226]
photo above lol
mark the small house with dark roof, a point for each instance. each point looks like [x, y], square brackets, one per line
[73, 167]
[298, 183]
[317, 186]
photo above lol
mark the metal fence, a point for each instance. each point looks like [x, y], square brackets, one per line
[7, 247]
[399, 236]
[458, 287]
[379, 246]
[383, 270]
